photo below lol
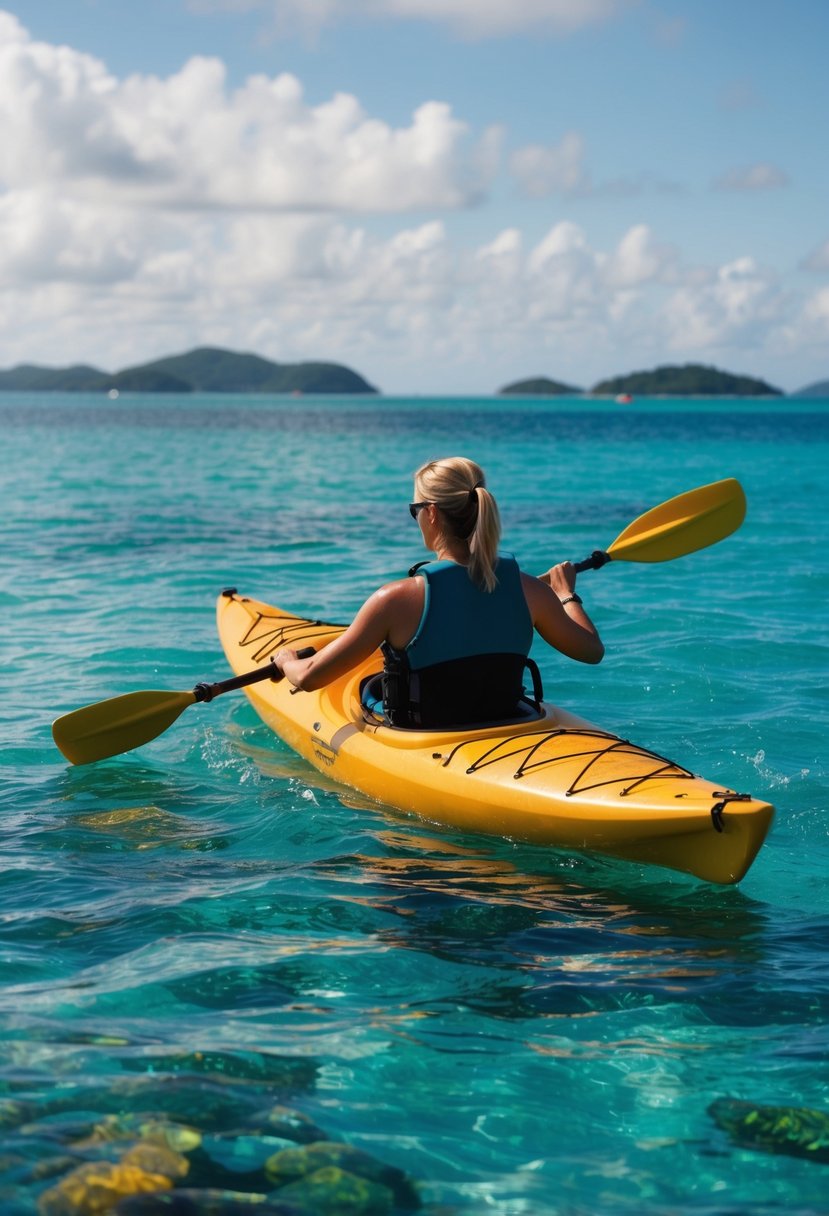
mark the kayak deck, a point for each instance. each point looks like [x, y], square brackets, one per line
[554, 779]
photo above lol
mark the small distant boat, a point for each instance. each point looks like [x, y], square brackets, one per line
[113, 394]
[624, 399]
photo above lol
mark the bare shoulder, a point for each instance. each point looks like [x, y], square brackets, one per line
[392, 596]
[398, 606]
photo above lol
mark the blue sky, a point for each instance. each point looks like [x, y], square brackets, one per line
[446, 195]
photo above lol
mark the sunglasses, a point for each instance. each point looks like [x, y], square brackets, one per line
[414, 507]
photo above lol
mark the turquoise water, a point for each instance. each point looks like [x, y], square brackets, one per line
[521, 1031]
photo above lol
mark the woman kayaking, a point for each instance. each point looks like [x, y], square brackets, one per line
[456, 637]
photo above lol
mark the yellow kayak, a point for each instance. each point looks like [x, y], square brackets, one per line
[551, 779]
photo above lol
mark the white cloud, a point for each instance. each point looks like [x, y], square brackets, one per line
[45, 239]
[737, 305]
[760, 176]
[187, 141]
[639, 259]
[402, 308]
[469, 18]
[542, 170]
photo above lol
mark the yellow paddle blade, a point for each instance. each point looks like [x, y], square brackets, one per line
[118, 725]
[683, 524]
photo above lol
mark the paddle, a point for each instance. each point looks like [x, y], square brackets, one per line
[111, 727]
[682, 525]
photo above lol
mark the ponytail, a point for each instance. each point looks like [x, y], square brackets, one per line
[457, 487]
[483, 542]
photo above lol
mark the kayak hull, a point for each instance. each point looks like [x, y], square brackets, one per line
[553, 780]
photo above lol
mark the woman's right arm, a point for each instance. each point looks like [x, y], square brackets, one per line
[567, 627]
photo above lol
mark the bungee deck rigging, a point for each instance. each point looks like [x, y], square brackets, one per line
[614, 744]
[288, 634]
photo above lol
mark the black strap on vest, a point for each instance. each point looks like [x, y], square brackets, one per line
[462, 692]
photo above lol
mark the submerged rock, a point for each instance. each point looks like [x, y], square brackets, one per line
[96, 1188]
[797, 1131]
[331, 1191]
[179, 1137]
[293, 1164]
[83, 1136]
[180, 1143]
[157, 1159]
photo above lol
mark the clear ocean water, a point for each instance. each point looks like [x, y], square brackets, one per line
[207, 924]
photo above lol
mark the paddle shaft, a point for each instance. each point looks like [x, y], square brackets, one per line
[206, 692]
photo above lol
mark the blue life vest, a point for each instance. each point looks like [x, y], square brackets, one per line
[465, 664]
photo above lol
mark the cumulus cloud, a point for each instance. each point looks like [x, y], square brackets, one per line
[189, 141]
[394, 305]
[638, 259]
[45, 239]
[302, 286]
[760, 176]
[735, 305]
[469, 18]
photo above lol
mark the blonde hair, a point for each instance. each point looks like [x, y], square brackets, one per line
[457, 487]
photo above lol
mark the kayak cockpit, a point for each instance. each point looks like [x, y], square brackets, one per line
[527, 711]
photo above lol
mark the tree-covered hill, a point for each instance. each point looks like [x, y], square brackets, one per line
[205, 370]
[28, 377]
[689, 380]
[539, 386]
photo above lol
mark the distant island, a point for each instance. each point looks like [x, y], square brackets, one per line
[208, 369]
[211, 369]
[539, 386]
[690, 380]
[819, 389]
